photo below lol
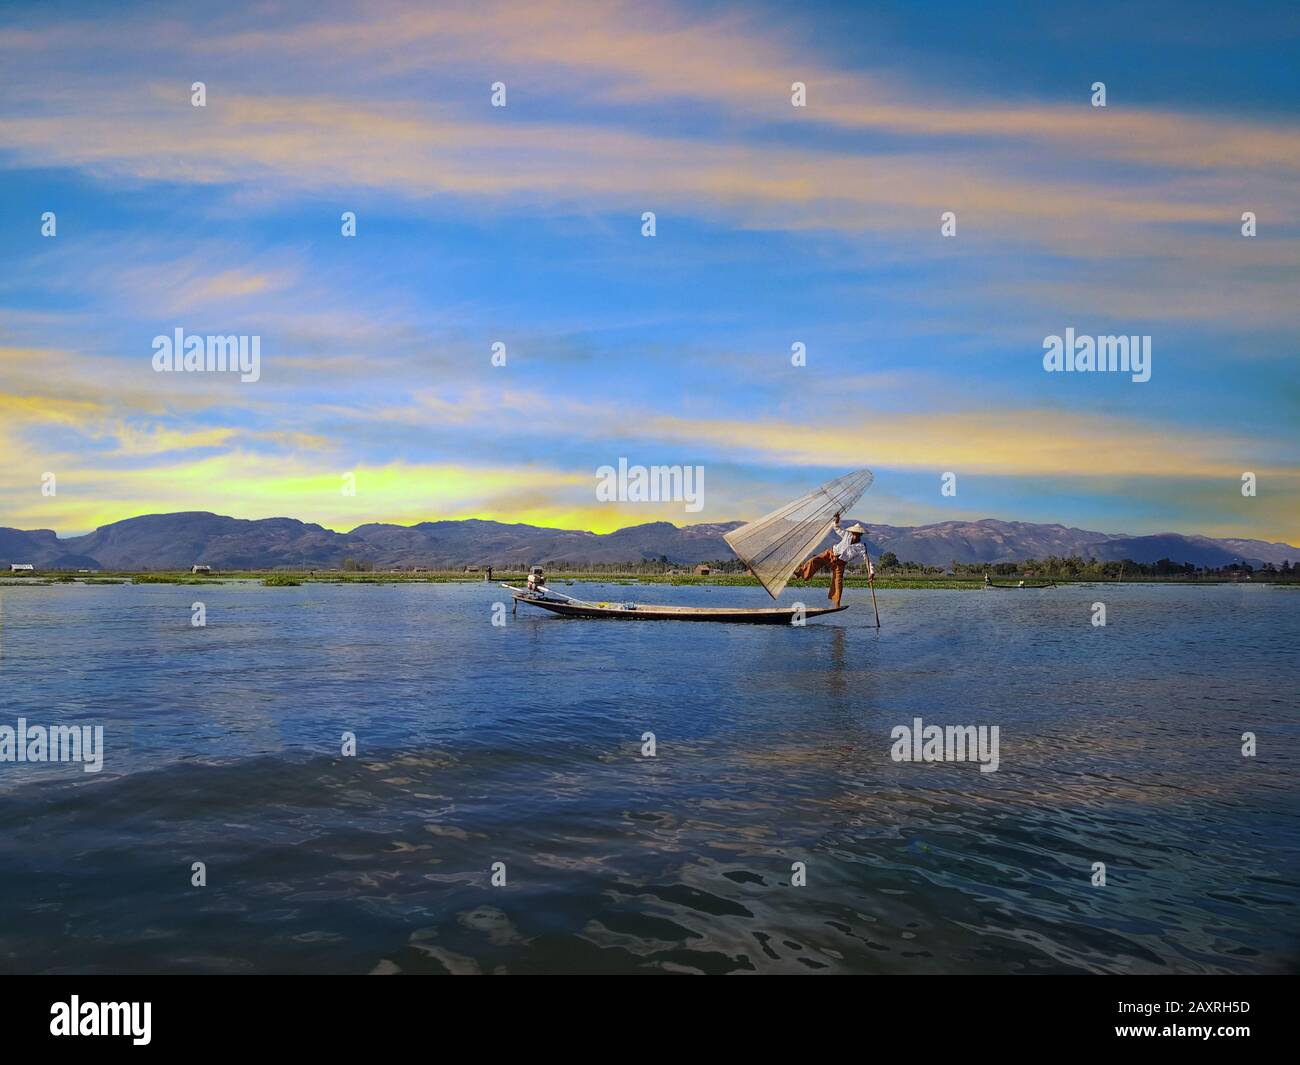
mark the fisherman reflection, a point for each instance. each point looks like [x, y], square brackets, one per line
[850, 549]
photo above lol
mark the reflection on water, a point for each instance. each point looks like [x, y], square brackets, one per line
[522, 745]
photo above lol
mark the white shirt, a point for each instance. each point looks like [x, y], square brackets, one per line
[847, 552]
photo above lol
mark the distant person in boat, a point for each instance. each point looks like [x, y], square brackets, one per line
[850, 549]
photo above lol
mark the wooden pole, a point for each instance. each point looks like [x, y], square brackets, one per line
[871, 580]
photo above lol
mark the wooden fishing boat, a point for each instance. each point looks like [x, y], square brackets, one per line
[576, 608]
[771, 547]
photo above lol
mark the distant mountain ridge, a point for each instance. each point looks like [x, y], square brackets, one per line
[177, 541]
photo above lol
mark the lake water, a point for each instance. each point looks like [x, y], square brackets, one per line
[522, 745]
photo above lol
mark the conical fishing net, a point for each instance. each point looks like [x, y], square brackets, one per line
[774, 545]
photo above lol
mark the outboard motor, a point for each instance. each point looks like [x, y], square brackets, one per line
[536, 581]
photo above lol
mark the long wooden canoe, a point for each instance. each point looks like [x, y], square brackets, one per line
[575, 608]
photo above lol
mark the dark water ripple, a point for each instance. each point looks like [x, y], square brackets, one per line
[522, 745]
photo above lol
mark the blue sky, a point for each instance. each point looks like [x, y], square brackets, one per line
[775, 224]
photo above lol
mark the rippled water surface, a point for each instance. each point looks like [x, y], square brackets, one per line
[522, 744]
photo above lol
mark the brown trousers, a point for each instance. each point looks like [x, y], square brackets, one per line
[826, 560]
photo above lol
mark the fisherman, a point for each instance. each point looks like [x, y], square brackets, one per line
[837, 559]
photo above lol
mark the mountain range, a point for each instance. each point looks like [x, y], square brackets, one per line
[177, 541]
